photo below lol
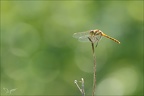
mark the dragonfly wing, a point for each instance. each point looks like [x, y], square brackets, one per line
[97, 38]
[80, 34]
[84, 39]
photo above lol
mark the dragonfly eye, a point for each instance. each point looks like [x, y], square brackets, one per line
[91, 32]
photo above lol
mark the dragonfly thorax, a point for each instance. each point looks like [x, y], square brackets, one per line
[95, 32]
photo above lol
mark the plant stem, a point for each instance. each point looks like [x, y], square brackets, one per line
[83, 92]
[94, 75]
[94, 58]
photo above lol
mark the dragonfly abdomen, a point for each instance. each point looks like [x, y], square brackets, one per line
[110, 38]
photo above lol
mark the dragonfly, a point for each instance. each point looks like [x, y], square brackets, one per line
[93, 36]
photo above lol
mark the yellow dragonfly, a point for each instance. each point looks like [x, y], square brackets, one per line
[92, 36]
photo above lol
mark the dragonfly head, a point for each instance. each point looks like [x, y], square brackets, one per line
[92, 32]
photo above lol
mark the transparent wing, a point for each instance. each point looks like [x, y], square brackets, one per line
[95, 39]
[84, 39]
[98, 37]
[81, 34]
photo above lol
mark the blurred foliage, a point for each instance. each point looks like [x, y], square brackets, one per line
[40, 57]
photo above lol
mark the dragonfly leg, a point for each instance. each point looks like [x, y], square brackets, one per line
[96, 44]
[90, 40]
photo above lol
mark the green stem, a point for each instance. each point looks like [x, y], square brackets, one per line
[94, 76]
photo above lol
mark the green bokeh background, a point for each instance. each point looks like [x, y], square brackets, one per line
[39, 56]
